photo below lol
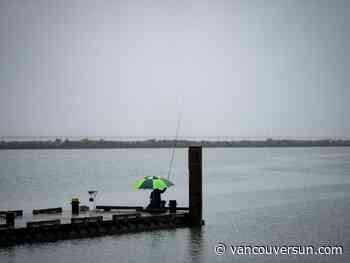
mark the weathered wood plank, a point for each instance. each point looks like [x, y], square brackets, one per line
[16, 212]
[85, 220]
[119, 217]
[180, 208]
[55, 210]
[34, 224]
[119, 207]
[5, 226]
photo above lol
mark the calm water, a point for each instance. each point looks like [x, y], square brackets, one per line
[268, 196]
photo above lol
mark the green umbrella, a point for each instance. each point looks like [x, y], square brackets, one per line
[152, 182]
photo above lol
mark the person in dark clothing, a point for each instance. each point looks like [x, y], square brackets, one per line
[156, 201]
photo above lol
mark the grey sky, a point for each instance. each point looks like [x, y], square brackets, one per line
[126, 68]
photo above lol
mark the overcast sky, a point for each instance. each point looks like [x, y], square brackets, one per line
[127, 68]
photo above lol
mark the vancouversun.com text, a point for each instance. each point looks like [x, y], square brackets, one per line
[222, 249]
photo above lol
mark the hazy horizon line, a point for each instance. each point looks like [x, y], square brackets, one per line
[136, 138]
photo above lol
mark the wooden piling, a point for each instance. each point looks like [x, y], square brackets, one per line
[10, 219]
[195, 185]
[75, 206]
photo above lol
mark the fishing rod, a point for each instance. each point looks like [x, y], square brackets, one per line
[176, 137]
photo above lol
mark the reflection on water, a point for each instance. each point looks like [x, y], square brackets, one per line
[195, 245]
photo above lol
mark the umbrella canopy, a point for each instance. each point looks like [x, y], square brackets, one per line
[152, 182]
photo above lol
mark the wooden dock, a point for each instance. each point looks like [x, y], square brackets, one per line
[53, 224]
[32, 228]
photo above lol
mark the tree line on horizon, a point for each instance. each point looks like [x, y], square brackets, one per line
[154, 143]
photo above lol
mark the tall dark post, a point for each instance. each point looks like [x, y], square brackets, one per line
[75, 206]
[10, 219]
[195, 185]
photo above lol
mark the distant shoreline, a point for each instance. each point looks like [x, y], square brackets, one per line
[153, 143]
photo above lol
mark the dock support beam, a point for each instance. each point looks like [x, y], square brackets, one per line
[195, 185]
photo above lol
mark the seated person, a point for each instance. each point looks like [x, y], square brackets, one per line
[156, 201]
